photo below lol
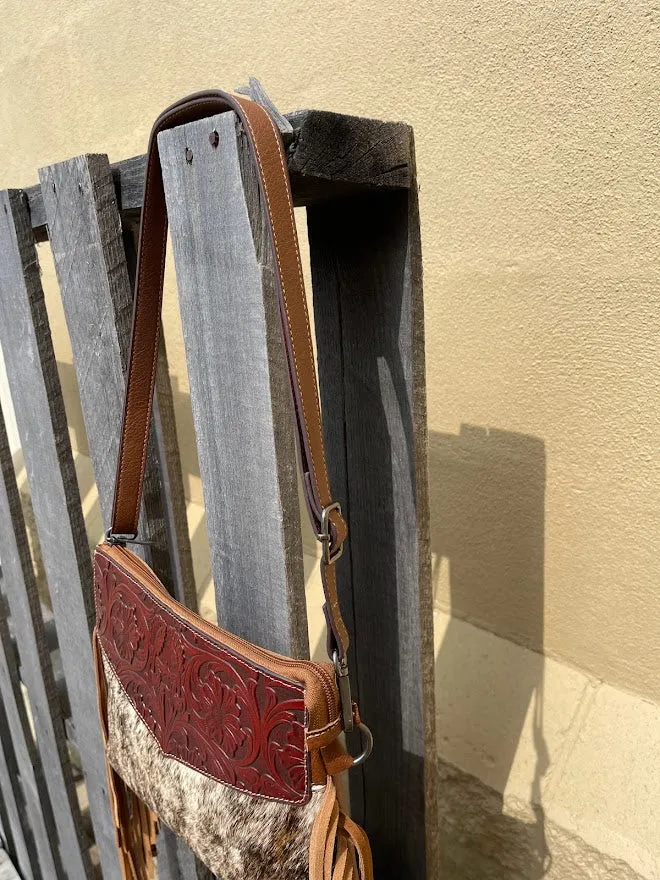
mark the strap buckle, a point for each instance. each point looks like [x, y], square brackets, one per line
[115, 538]
[330, 554]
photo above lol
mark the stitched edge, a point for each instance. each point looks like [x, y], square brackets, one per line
[272, 678]
[334, 599]
[266, 797]
[324, 473]
[122, 449]
[320, 732]
[284, 294]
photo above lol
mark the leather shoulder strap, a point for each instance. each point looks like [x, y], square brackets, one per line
[268, 153]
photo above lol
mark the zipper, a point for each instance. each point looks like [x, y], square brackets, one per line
[270, 659]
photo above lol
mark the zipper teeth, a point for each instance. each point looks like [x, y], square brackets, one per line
[212, 630]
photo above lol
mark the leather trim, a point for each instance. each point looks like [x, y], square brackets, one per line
[235, 834]
[205, 705]
[317, 679]
[266, 145]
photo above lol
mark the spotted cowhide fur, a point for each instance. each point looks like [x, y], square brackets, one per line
[238, 836]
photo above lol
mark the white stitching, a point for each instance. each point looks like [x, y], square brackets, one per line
[122, 449]
[284, 296]
[271, 676]
[324, 474]
[334, 599]
[324, 731]
[267, 797]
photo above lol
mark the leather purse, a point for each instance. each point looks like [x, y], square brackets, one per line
[234, 747]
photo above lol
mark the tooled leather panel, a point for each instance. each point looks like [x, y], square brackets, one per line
[207, 707]
[239, 837]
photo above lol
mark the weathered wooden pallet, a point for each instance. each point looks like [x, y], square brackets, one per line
[356, 178]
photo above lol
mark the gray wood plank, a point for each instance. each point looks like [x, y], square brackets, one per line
[92, 270]
[170, 472]
[16, 827]
[30, 769]
[7, 869]
[239, 385]
[366, 270]
[86, 240]
[176, 861]
[368, 158]
[93, 274]
[5, 828]
[35, 388]
[258, 94]
[36, 671]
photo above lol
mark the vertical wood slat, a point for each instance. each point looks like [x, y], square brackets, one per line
[366, 270]
[240, 392]
[7, 869]
[18, 835]
[30, 769]
[37, 674]
[88, 249]
[170, 472]
[86, 239]
[35, 387]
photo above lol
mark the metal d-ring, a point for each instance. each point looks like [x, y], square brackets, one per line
[368, 739]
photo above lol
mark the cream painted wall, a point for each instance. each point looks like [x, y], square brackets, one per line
[537, 136]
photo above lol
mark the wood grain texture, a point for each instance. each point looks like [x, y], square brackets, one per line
[240, 393]
[371, 156]
[93, 274]
[87, 244]
[259, 95]
[366, 270]
[32, 376]
[29, 636]
[337, 155]
[176, 861]
[170, 472]
[30, 769]
[7, 869]
[17, 834]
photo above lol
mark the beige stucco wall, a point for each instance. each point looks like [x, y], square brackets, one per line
[537, 145]
[537, 150]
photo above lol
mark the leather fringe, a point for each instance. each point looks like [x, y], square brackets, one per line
[339, 849]
[136, 827]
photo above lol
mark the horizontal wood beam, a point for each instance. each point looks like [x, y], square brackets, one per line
[329, 155]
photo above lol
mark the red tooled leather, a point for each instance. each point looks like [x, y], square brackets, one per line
[207, 707]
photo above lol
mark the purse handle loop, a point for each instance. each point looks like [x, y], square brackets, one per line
[268, 153]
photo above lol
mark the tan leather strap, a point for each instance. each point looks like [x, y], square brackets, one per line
[266, 145]
[339, 849]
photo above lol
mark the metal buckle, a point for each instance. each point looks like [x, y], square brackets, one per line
[330, 554]
[121, 539]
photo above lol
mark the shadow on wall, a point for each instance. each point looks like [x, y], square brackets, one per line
[487, 497]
